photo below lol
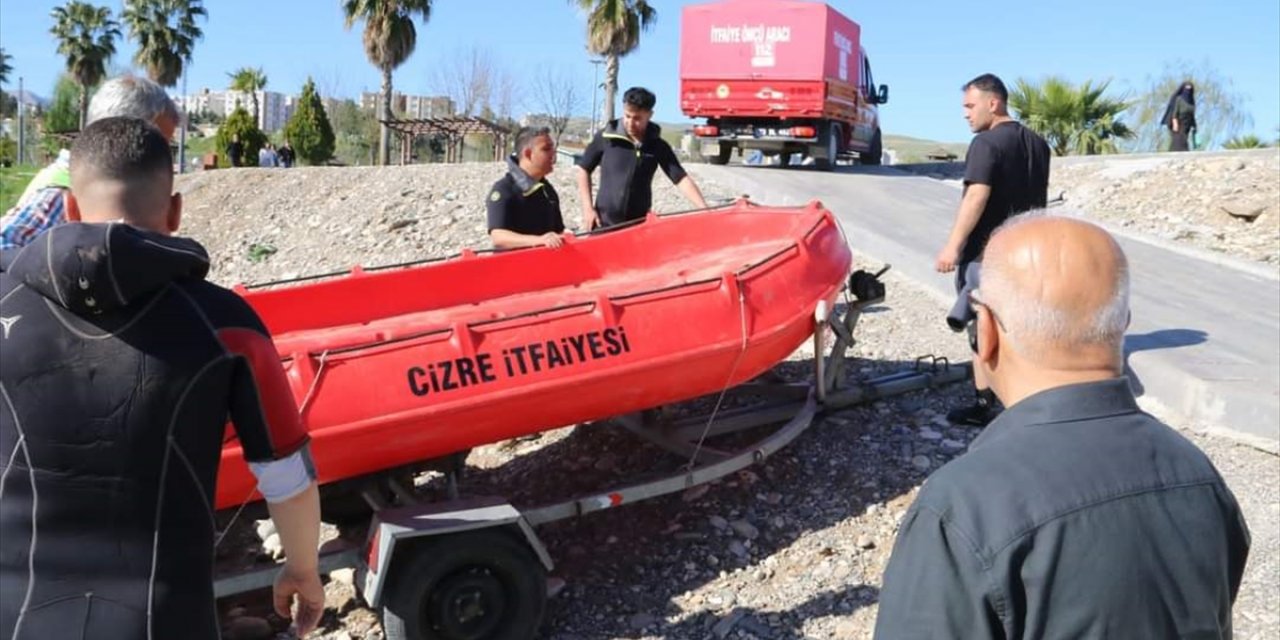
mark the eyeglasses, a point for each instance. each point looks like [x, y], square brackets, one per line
[977, 302]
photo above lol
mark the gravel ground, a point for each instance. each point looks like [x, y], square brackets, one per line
[792, 548]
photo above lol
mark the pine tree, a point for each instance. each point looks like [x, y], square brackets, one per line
[308, 130]
[252, 139]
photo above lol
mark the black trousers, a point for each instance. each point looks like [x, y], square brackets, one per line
[1179, 141]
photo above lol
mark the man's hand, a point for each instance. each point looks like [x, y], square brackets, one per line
[590, 218]
[305, 586]
[551, 239]
[947, 259]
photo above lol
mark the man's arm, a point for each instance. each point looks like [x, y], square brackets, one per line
[691, 192]
[587, 163]
[590, 217]
[508, 239]
[971, 206]
[275, 445]
[26, 220]
[675, 172]
[297, 520]
[935, 586]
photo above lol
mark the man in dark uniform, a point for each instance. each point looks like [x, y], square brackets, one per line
[1074, 514]
[629, 152]
[121, 366]
[524, 210]
[1006, 172]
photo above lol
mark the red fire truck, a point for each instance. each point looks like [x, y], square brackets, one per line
[782, 76]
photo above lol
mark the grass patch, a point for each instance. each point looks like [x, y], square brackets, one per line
[12, 182]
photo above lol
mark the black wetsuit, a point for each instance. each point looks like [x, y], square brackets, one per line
[120, 368]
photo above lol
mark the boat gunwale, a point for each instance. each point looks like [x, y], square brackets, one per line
[792, 245]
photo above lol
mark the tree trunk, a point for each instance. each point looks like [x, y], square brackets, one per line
[257, 115]
[84, 106]
[610, 85]
[384, 137]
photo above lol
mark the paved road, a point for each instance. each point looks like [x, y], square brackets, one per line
[1205, 338]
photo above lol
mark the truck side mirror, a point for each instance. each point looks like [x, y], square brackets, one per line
[883, 96]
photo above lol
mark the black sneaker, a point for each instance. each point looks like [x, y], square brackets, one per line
[978, 414]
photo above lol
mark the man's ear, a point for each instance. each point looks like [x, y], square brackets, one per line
[988, 338]
[173, 218]
[72, 206]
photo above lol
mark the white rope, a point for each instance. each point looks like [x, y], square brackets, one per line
[315, 381]
[742, 313]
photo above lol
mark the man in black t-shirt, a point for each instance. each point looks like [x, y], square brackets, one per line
[1006, 173]
[629, 151]
[524, 210]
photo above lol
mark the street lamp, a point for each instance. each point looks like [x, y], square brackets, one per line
[595, 85]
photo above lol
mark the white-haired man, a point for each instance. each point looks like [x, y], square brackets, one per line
[1074, 514]
[43, 203]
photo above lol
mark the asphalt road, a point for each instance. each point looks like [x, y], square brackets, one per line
[1205, 338]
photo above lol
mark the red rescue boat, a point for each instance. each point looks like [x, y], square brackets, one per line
[396, 366]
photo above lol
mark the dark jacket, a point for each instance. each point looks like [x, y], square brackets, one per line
[627, 170]
[120, 367]
[1073, 515]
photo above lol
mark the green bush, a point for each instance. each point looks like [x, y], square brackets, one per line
[252, 139]
[308, 129]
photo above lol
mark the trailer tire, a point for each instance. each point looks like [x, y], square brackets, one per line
[873, 155]
[726, 152]
[474, 585]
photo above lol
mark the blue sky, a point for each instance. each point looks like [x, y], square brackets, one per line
[923, 49]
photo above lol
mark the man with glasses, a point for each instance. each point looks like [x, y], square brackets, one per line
[1074, 514]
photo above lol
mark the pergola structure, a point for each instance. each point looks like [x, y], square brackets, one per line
[453, 128]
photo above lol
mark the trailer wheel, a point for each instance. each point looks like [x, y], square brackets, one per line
[873, 155]
[481, 585]
[726, 151]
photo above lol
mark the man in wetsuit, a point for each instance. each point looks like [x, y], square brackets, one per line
[120, 367]
[629, 151]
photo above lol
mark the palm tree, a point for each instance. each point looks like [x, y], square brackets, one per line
[613, 31]
[86, 36]
[1072, 119]
[5, 67]
[250, 81]
[166, 32]
[389, 40]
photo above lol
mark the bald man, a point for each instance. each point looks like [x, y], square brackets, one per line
[1074, 514]
[121, 366]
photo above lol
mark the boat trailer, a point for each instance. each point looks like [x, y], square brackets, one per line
[474, 567]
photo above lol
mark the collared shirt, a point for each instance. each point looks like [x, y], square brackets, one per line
[28, 219]
[1073, 515]
[518, 204]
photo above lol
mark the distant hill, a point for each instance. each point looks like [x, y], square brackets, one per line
[909, 150]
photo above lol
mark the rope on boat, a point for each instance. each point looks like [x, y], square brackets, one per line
[728, 383]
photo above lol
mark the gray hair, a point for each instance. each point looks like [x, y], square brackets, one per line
[527, 135]
[1033, 324]
[133, 96]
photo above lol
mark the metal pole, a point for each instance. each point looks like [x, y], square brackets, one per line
[182, 136]
[595, 86]
[22, 125]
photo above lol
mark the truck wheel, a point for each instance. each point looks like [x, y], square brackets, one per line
[726, 151]
[873, 155]
[478, 585]
[833, 150]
